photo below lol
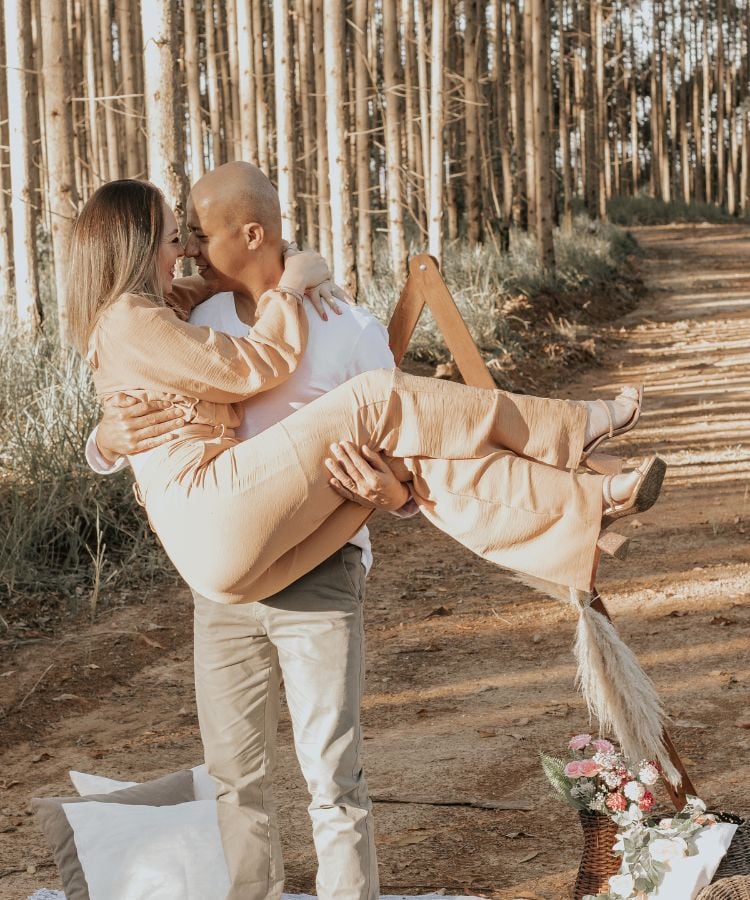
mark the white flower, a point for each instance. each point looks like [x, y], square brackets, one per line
[648, 774]
[611, 779]
[629, 816]
[621, 885]
[667, 849]
[634, 790]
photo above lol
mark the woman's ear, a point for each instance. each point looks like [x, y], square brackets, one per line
[254, 235]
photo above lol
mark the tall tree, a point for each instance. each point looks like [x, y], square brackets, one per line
[437, 150]
[128, 66]
[193, 90]
[161, 96]
[338, 157]
[6, 282]
[322, 135]
[111, 130]
[362, 91]
[62, 193]
[284, 93]
[18, 66]
[247, 83]
[471, 120]
[542, 154]
[392, 87]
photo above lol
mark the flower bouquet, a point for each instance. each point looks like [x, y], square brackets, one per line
[600, 783]
[613, 798]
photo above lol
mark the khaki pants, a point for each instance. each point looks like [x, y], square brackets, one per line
[241, 521]
[311, 635]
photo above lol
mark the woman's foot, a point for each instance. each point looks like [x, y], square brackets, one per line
[632, 492]
[607, 418]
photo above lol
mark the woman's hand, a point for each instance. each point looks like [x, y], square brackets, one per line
[304, 270]
[131, 426]
[364, 478]
[322, 295]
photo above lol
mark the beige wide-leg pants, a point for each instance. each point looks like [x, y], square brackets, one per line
[310, 634]
[241, 521]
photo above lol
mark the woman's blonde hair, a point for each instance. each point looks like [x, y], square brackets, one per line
[114, 250]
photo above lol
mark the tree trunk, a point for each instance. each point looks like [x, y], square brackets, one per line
[18, 62]
[567, 185]
[213, 91]
[62, 195]
[362, 90]
[518, 115]
[165, 168]
[528, 102]
[94, 155]
[233, 85]
[437, 150]
[423, 53]
[393, 127]
[304, 105]
[707, 149]
[325, 239]
[338, 158]
[192, 82]
[503, 118]
[283, 86]
[542, 154]
[6, 232]
[471, 123]
[247, 87]
[131, 104]
[720, 130]
[111, 129]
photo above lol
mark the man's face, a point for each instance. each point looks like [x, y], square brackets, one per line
[218, 248]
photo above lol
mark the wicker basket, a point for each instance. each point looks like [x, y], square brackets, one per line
[735, 888]
[598, 862]
[737, 859]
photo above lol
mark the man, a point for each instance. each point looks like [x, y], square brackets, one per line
[311, 633]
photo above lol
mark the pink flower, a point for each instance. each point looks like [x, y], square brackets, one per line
[616, 802]
[646, 801]
[589, 768]
[579, 741]
[603, 746]
[573, 769]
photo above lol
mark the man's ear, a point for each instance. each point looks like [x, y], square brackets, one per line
[253, 234]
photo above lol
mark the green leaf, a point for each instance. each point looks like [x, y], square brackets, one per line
[553, 768]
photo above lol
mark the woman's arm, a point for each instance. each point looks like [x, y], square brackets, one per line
[141, 346]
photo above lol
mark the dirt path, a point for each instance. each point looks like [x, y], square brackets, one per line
[459, 705]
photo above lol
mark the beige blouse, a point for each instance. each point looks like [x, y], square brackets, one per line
[148, 351]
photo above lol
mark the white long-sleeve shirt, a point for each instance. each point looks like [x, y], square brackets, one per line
[337, 350]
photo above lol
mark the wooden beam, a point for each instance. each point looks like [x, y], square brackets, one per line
[425, 287]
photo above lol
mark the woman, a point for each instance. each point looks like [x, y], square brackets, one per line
[243, 520]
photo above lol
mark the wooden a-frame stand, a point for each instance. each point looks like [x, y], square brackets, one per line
[425, 287]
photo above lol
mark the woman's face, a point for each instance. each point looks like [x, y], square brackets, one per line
[169, 251]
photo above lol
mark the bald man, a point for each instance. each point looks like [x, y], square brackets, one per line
[310, 634]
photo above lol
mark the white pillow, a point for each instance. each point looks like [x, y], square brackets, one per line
[84, 783]
[689, 874]
[97, 784]
[150, 852]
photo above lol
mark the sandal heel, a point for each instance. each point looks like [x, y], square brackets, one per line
[613, 544]
[604, 463]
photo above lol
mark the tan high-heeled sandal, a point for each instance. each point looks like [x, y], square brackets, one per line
[643, 496]
[605, 463]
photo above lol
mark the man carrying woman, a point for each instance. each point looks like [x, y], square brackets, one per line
[243, 520]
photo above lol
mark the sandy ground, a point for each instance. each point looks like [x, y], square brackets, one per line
[458, 704]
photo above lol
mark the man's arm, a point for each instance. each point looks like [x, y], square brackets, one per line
[364, 477]
[129, 426]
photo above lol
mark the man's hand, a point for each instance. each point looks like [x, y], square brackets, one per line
[131, 426]
[364, 477]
